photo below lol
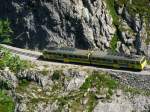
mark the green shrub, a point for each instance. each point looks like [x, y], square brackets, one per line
[5, 31]
[113, 43]
[23, 84]
[6, 103]
[111, 8]
[56, 75]
[99, 80]
[14, 63]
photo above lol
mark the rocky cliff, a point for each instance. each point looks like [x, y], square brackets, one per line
[119, 25]
[70, 90]
[45, 23]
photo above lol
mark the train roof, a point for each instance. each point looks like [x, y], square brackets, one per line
[70, 51]
[106, 55]
[96, 53]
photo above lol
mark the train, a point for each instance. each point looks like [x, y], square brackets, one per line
[95, 58]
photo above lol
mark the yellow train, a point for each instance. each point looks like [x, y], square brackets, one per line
[96, 58]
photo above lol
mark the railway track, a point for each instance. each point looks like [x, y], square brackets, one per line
[29, 53]
[35, 55]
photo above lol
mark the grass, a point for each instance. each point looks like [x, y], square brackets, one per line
[135, 91]
[23, 84]
[111, 8]
[91, 102]
[147, 41]
[113, 43]
[45, 72]
[98, 80]
[6, 102]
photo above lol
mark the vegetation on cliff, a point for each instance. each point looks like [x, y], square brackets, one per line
[14, 63]
[6, 102]
[5, 31]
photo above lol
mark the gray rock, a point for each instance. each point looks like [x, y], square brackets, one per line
[130, 41]
[59, 23]
[124, 37]
[101, 96]
[77, 79]
[119, 10]
[46, 107]
[125, 50]
[36, 76]
[22, 107]
[118, 105]
[8, 79]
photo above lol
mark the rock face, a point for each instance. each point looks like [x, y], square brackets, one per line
[46, 23]
[123, 104]
[133, 28]
[72, 90]
[8, 80]
[82, 24]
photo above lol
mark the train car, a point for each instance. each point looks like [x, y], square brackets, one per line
[68, 55]
[105, 59]
[98, 58]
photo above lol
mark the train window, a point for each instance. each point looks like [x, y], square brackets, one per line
[93, 58]
[115, 61]
[110, 61]
[143, 60]
[54, 53]
[76, 56]
[64, 55]
[81, 57]
[70, 56]
[103, 60]
[132, 62]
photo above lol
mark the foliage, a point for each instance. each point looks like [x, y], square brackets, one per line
[12, 61]
[111, 8]
[6, 102]
[22, 85]
[56, 75]
[148, 61]
[98, 81]
[141, 7]
[5, 84]
[5, 31]
[113, 43]
[44, 72]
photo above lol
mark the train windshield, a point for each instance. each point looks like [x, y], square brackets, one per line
[143, 59]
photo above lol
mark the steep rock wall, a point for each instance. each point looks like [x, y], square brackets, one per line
[133, 27]
[46, 23]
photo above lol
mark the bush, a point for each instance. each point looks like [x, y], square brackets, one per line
[111, 8]
[113, 43]
[6, 103]
[99, 80]
[5, 31]
[56, 75]
[14, 63]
